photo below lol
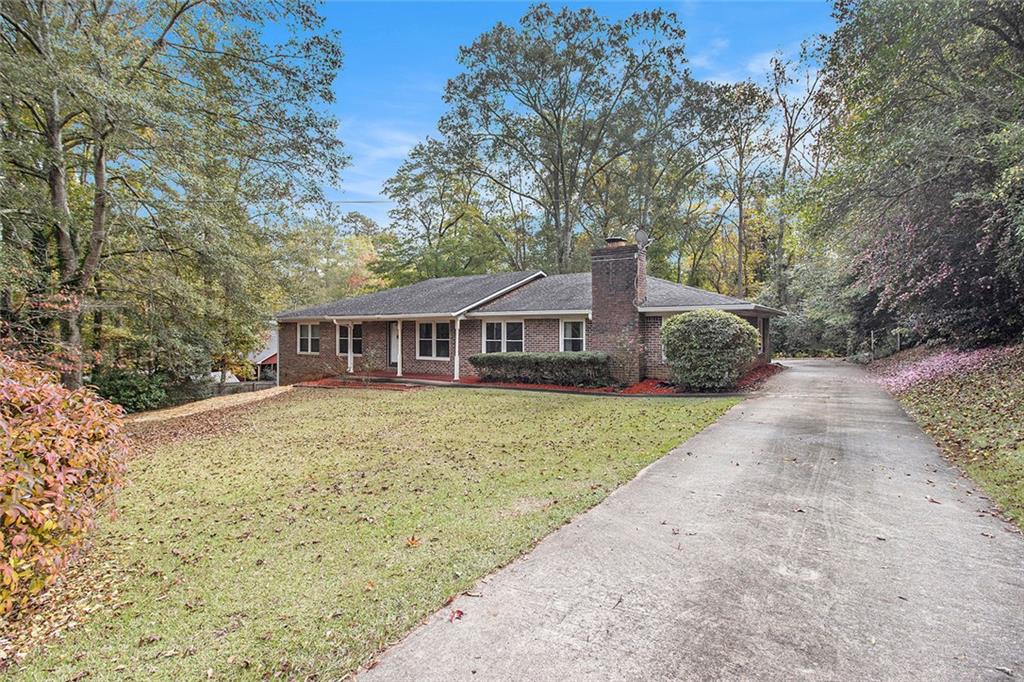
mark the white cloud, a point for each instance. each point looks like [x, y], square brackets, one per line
[759, 64]
[377, 149]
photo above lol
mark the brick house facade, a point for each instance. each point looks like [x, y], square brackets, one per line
[616, 308]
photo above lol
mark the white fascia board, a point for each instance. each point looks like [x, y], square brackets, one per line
[516, 314]
[731, 307]
[496, 294]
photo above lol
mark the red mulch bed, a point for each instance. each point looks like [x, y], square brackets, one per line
[748, 382]
[757, 376]
[650, 387]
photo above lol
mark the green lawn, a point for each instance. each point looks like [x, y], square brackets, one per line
[977, 418]
[312, 529]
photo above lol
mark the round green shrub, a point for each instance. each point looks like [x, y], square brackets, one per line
[134, 391]
[708, 349]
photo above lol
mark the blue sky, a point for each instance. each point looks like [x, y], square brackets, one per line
[398, 57]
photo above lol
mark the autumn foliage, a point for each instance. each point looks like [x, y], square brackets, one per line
[62, 453]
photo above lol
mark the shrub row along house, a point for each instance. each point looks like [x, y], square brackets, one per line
[432, 328]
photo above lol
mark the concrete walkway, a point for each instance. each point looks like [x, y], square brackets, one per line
[813, 532]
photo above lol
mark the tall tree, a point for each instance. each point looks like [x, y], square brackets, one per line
[743, 165]
[546, 109]
[144, 131]
[925, 193]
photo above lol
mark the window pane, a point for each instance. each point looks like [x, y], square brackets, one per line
[426, 332]
[357, 331]
[514, 346]
[426, 348]
[442, 330]
[574, 330]
[357, 346]
[492, 347]
[494, 332]
[342, 340]
[314, 331]
[442, 348]
[573, 345]
[314, 344]
[303, 344]
[514, 332]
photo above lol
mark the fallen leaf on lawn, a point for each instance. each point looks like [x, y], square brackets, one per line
[457, 614]
[369, 586]
[933, 500]
[412, 541]
[799, 510]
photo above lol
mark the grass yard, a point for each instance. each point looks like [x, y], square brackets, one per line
[298, 536]
[972, 404]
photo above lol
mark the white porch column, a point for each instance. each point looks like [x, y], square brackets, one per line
[351, 364]
[455, 374]
[400, 348]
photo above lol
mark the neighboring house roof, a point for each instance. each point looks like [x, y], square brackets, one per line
[262, 356]
[571, 293]
[441, 297]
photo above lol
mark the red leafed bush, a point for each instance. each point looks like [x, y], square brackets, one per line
[61, 454]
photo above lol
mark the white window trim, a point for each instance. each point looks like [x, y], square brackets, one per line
[433, 340]
[337, 340]
[561, 333]
[504, 334]
[298, 337]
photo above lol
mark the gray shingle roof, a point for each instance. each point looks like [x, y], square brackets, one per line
[554, 292]
[572, 292]
[662, 293]
[430, 297]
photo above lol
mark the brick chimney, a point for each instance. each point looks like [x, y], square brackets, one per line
[618, 284]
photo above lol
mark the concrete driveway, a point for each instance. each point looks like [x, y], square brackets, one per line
[813, 532]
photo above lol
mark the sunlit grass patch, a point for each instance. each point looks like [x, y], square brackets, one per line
[320, 526]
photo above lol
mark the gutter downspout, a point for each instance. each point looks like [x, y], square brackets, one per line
[455, 373]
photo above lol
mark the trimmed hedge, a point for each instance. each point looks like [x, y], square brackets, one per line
[62, 453]
[708, 349]
[564, 369]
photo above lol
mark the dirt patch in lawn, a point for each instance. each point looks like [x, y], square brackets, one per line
[215, 419]
[217, 403]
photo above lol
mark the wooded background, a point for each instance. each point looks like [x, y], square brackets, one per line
[163, 166]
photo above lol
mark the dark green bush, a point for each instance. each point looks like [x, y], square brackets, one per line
[134, 391]
[564, 369]
[708, 349]
[797, 335]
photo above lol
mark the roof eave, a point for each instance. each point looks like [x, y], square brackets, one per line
[575, 312]
[729, 307]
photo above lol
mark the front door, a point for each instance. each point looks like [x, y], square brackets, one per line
[393, 344]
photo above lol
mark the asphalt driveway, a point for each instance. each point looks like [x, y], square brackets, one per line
[813, 532]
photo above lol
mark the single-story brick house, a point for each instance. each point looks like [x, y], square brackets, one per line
[433, 327]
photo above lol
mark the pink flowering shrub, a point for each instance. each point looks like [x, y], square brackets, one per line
[901, 375]
[61, 454]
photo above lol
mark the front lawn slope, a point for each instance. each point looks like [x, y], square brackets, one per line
[309, 531]
[972, 404]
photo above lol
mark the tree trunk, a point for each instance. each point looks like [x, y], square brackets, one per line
[56, 177]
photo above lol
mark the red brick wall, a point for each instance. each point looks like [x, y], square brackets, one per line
[615, 327]
[295, 367]
[654, 366]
